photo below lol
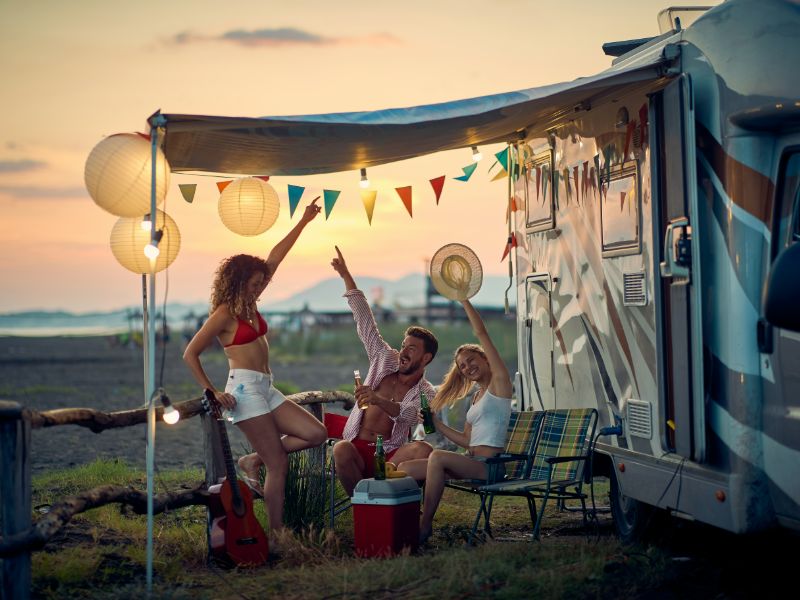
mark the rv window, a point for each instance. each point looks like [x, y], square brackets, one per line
[539, 192]
[789, 198]
[619, 210]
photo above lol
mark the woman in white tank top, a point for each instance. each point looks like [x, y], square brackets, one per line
[487, 419]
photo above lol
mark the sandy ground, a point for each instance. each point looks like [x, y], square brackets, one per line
[71, 372]
[93, 372]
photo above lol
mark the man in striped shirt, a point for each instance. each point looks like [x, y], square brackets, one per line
[388, 402]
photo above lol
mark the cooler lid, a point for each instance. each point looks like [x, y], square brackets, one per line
[401, 489]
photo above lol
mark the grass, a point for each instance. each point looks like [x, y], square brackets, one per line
[100, 554]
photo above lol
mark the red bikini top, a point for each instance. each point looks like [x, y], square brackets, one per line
[246, 333]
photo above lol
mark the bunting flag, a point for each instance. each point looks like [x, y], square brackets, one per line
[585, 180]
[502, 174]
[262, 177]
[628, 137]
[508, 247]
[576, 177]
[221, 185]
[295, 193]
[502, 158]
[368, 198]
[437, 183]
[187, 191]
[405, 196]
[330, 199]
[621, 201]
[468, 171]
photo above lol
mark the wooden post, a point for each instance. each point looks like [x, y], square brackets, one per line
[15, 497]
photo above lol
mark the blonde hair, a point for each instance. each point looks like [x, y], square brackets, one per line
[455, 385]
[230, 283]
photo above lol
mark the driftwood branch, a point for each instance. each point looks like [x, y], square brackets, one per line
[62, 512]
[98, 421]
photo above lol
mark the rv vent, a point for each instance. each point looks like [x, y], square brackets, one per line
[635, 294]
[640, 423]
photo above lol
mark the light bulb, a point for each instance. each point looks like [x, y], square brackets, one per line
[151, 251]
[476, 154]
[171, 415]
[364, 183]
[146, 223]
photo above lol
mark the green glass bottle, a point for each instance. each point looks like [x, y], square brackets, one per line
[380, 459]
[427, 415]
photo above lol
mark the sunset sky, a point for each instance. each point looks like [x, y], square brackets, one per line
[75, 72]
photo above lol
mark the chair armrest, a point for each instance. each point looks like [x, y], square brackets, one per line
[562, 459]
[506, 457]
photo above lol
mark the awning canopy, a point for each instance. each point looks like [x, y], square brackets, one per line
[310, 144]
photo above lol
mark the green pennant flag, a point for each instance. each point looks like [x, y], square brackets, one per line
[468, 171]
[502, 158]
[330, 199]
[295, 193]
[187, 191]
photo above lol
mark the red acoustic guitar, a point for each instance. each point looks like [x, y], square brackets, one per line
[236, 537]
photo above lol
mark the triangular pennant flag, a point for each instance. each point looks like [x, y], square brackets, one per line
[437, 183]
[513, 240]
[628, 137]
[330, 199]
[502, 158]
[502, 174]
[295, 193]
[262, 177]
[221, 185]
[405, 196]
[187, 191]
[368, 198]
[468, 171]
[507, 249]
[621, 201]
[512, 205]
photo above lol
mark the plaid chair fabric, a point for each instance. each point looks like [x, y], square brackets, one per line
[523, 428]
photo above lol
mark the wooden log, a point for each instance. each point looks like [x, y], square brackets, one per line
[34, 538]
[15, 498]
[97, 421]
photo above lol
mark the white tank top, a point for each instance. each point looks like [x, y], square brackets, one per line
[489, 419]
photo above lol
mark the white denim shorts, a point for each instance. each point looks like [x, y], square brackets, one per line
[255, 395]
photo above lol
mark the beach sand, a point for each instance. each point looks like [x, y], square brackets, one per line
[96, 372]
[45, 373]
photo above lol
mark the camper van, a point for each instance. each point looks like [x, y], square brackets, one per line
[656, 237]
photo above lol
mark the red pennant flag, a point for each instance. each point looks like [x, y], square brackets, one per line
[621, 201]
[513, 240]
[263, 177]
[221, 185]
[437, 183]
[405, 196]
[507, 248]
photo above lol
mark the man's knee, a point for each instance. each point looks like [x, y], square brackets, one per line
[343, 452]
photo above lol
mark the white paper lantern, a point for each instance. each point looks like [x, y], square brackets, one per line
[128, 241]
[118, 174]
[249, 206]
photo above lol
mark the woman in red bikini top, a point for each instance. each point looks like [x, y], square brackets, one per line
[272, 425]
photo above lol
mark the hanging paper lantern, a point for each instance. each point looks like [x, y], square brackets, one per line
[128, 241]
[118, 174]
[249, 206]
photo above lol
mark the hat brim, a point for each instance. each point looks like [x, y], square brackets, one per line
[456, 272]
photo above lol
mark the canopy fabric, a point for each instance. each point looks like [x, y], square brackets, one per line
[310, 144]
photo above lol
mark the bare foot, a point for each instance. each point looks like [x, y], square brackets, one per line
[250, 465]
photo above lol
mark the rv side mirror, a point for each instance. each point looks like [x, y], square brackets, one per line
[783, 290]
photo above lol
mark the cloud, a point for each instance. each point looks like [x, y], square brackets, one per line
[20, 166]
[283, 36]
[38, 192]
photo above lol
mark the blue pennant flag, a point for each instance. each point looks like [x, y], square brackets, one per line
[295, 193]
[468, 171]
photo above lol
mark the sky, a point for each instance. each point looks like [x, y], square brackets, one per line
[75, 72]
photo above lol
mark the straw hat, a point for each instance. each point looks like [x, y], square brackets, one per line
[456, 272]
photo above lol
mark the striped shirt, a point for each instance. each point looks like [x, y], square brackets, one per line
[383, 360]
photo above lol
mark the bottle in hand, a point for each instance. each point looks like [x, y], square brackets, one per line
[357, 379]
[380, 459]
[427, 415]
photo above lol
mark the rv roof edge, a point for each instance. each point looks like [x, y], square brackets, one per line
[624, 46]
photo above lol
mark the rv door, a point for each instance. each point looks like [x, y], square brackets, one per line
[539, 343]
[681, 385]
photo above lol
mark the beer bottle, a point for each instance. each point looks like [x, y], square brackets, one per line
[380, 459]
[427, 415]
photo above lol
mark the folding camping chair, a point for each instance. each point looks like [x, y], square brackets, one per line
[335, 425]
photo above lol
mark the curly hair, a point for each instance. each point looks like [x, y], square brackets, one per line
[230, 283]
[455, 385]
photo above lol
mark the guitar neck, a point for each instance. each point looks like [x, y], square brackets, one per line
[230, 469]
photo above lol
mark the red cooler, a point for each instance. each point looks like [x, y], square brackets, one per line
[386, 516]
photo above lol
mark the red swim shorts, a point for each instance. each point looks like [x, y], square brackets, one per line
[367, 451]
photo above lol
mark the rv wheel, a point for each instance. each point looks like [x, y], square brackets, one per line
[632, 519]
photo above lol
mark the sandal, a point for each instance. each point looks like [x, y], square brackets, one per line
[251, 483]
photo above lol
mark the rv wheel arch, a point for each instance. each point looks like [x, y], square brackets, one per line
[634, 521]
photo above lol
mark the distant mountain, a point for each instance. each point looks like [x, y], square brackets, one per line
[406, 292]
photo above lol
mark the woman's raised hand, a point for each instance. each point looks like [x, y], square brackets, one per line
[311, 211]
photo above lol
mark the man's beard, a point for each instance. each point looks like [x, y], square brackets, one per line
[411, 367]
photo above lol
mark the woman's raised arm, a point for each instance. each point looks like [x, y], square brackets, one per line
[501, 379]
[281, 249]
